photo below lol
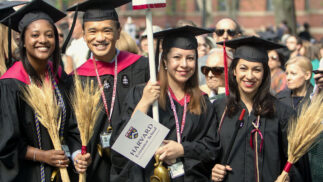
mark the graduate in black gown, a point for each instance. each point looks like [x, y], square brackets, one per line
[192, 141]
[259, 151]
[26, 150]
[115, 72]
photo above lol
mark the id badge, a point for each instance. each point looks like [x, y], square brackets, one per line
[66, 150]
[176, 170]
[105, 139]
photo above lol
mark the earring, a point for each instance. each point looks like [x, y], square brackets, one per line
[165, 68]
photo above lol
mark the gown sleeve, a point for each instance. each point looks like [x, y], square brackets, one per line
[9, 132]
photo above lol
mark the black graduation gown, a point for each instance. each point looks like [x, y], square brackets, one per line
[273, 156]
[19, 129]
[199, 140]
[132, 69]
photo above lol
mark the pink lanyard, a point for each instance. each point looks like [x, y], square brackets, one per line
[179, 133]
[114, 88]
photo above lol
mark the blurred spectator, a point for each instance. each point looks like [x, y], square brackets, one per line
[278, 76]
[298, 74]
[282, 30]
[78, 49]
[213, 72]
[226, 29]
[130, 28]
[143, 41]
[67, 60]
[181, 23]
[127, 43]
[313, 53]
[203, 48]
[305, 35]
[319, 79]
[294, 45]
[321, 50]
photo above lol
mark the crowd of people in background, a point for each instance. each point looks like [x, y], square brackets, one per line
[210, 74]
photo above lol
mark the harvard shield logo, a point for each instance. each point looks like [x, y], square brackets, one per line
[132, 133]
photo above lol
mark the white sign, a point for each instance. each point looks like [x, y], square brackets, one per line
[144, 4]
[140, 139]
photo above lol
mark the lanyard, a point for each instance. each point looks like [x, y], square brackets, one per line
[179, 133]
[114, 87]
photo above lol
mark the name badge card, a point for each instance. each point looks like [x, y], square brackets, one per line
[176, 170]
[105, 139]
[140, 139]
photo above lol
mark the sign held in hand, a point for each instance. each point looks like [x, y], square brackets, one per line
[140, 139]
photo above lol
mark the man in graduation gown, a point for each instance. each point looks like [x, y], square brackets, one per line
[115, 72]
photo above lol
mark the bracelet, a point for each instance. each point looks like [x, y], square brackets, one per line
[34, 159]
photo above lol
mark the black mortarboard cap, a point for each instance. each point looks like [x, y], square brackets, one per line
[181, 37]
[99, 10]
[31, 12]
[251, 48]
[6, 8]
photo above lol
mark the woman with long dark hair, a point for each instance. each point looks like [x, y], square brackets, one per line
[259, 150]
[25, 145]
[192, 141]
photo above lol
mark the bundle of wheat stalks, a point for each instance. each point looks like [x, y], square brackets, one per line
[303, 132]
[43, 101]
[85, 102]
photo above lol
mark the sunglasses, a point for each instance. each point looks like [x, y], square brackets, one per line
[215, 70]
[220, 32]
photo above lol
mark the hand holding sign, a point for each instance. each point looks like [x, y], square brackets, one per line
[140, 139]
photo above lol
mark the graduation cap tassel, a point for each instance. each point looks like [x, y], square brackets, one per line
[70, 32]
[9, 61]
[226, 76]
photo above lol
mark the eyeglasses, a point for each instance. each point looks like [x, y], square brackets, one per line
[215, 70]
[220, 32]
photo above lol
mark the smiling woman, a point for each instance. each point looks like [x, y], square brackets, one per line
[39, 42]
[260, 132]
[27, 144]
[192, 145]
